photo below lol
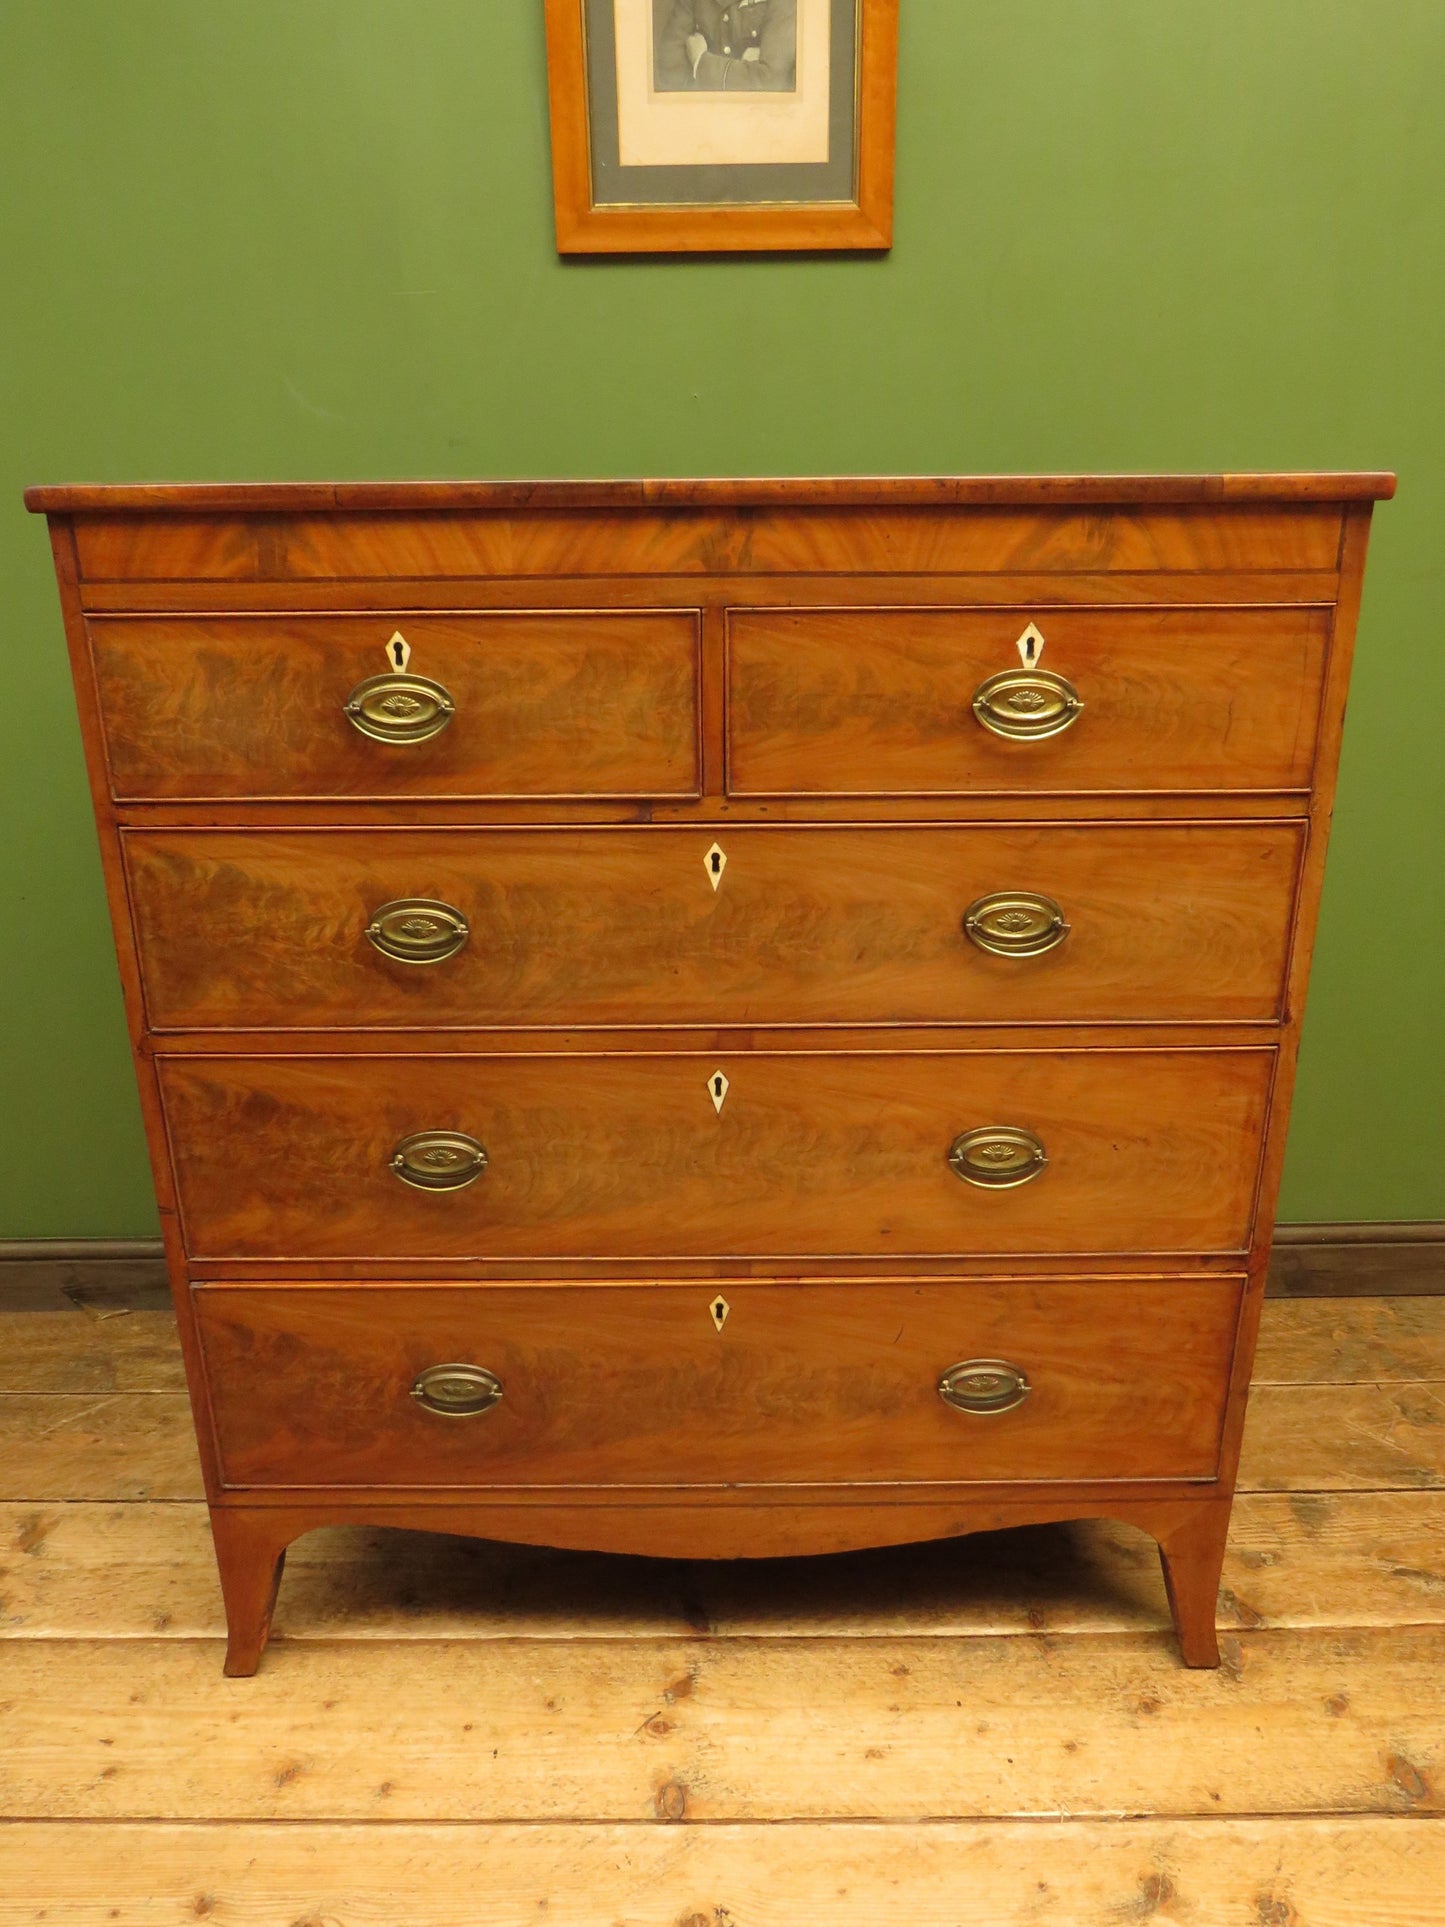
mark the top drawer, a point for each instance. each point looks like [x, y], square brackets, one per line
[857, 702]
[533, 704]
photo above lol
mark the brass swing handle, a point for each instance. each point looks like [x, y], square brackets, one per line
[997, 1156]
[417, 930]
[399, 708]
[983, 1385]
[457, 1391]
[438, 1160]
[1015, 923]
[1026, 705]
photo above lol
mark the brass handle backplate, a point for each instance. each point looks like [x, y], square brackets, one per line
[417, 930]
[457, 1391]
[983, 1385]
[997, 1156]
[1015, 923]
[439, 1160]
[399, 709]
[1026, 704]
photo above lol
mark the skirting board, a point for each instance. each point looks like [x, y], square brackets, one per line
[104, 1275]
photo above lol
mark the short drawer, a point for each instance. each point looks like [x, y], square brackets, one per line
[656, 1154]
[525, 703]
[356, 929]
[805, 1384]
[859, 702]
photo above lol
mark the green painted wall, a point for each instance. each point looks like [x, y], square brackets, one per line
[312, 238]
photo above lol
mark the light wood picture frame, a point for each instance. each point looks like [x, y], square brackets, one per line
[722, 126]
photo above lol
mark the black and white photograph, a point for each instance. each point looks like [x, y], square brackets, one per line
[697, 124]
[743, 47]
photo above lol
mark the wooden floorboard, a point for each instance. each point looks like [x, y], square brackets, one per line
[1241, 1873]
[1335, 1341]
[143, 1571]
[733, 1729]
[993, 1731]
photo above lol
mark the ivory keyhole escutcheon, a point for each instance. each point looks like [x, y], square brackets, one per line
[718, 1311]
[398, 651]
[716, 861]
[717, 1089]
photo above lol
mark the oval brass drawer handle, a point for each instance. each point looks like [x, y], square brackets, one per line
[1015, 923]
[457, 1391]
[983, 1385]
[399, 709]
[1026, 704]
[417, 930]
[439, 1160]
[997, 1156]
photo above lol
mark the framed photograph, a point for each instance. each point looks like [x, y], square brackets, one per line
[722, 126]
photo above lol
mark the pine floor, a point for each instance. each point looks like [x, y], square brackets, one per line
[981, 1734]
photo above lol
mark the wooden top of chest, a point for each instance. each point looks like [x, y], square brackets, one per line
[889, 491]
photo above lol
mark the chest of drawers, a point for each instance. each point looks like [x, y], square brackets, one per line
[715, 1019]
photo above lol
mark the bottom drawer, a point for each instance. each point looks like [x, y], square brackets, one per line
[638, 1386]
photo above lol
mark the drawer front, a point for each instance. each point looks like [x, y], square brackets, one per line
[862, 702]
[803, 1384]
[806, 925]
[673, 1154]
[575, 703]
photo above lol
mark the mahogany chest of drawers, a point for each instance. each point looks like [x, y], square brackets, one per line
[715, 1018]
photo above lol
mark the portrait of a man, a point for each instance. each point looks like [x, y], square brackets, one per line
[725, 46]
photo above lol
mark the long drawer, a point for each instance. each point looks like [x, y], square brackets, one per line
[673, 1154]
[769, 1385]
[860, 702]
[525, 703]
[801, 925]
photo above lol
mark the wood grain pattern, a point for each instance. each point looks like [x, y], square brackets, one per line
[547, 704]
[490, 1730]
[1376, 1436]
[808, 925]
[72, 1569]
[834, 589]
[874, 537]
[98, 1445]
[1331, 1872]
[809, 1384]
[813, 1153]
[900, 1698]
[138, 1445]
[75, 1354]
[1163, 1156]
[1360, 1341]
[73, 1350]
[677, 492]
[877, 702]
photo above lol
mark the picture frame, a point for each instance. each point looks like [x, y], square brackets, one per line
[722, 126]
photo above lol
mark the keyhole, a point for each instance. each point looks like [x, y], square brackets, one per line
[718, 1311]
[715, 862]
[717, 1089]
[397, 655]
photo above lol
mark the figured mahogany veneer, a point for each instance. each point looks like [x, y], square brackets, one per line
[809, 925]
[712, 806]
[574, 703]
[805, 1385]
[814, 1154]
[860, 702]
